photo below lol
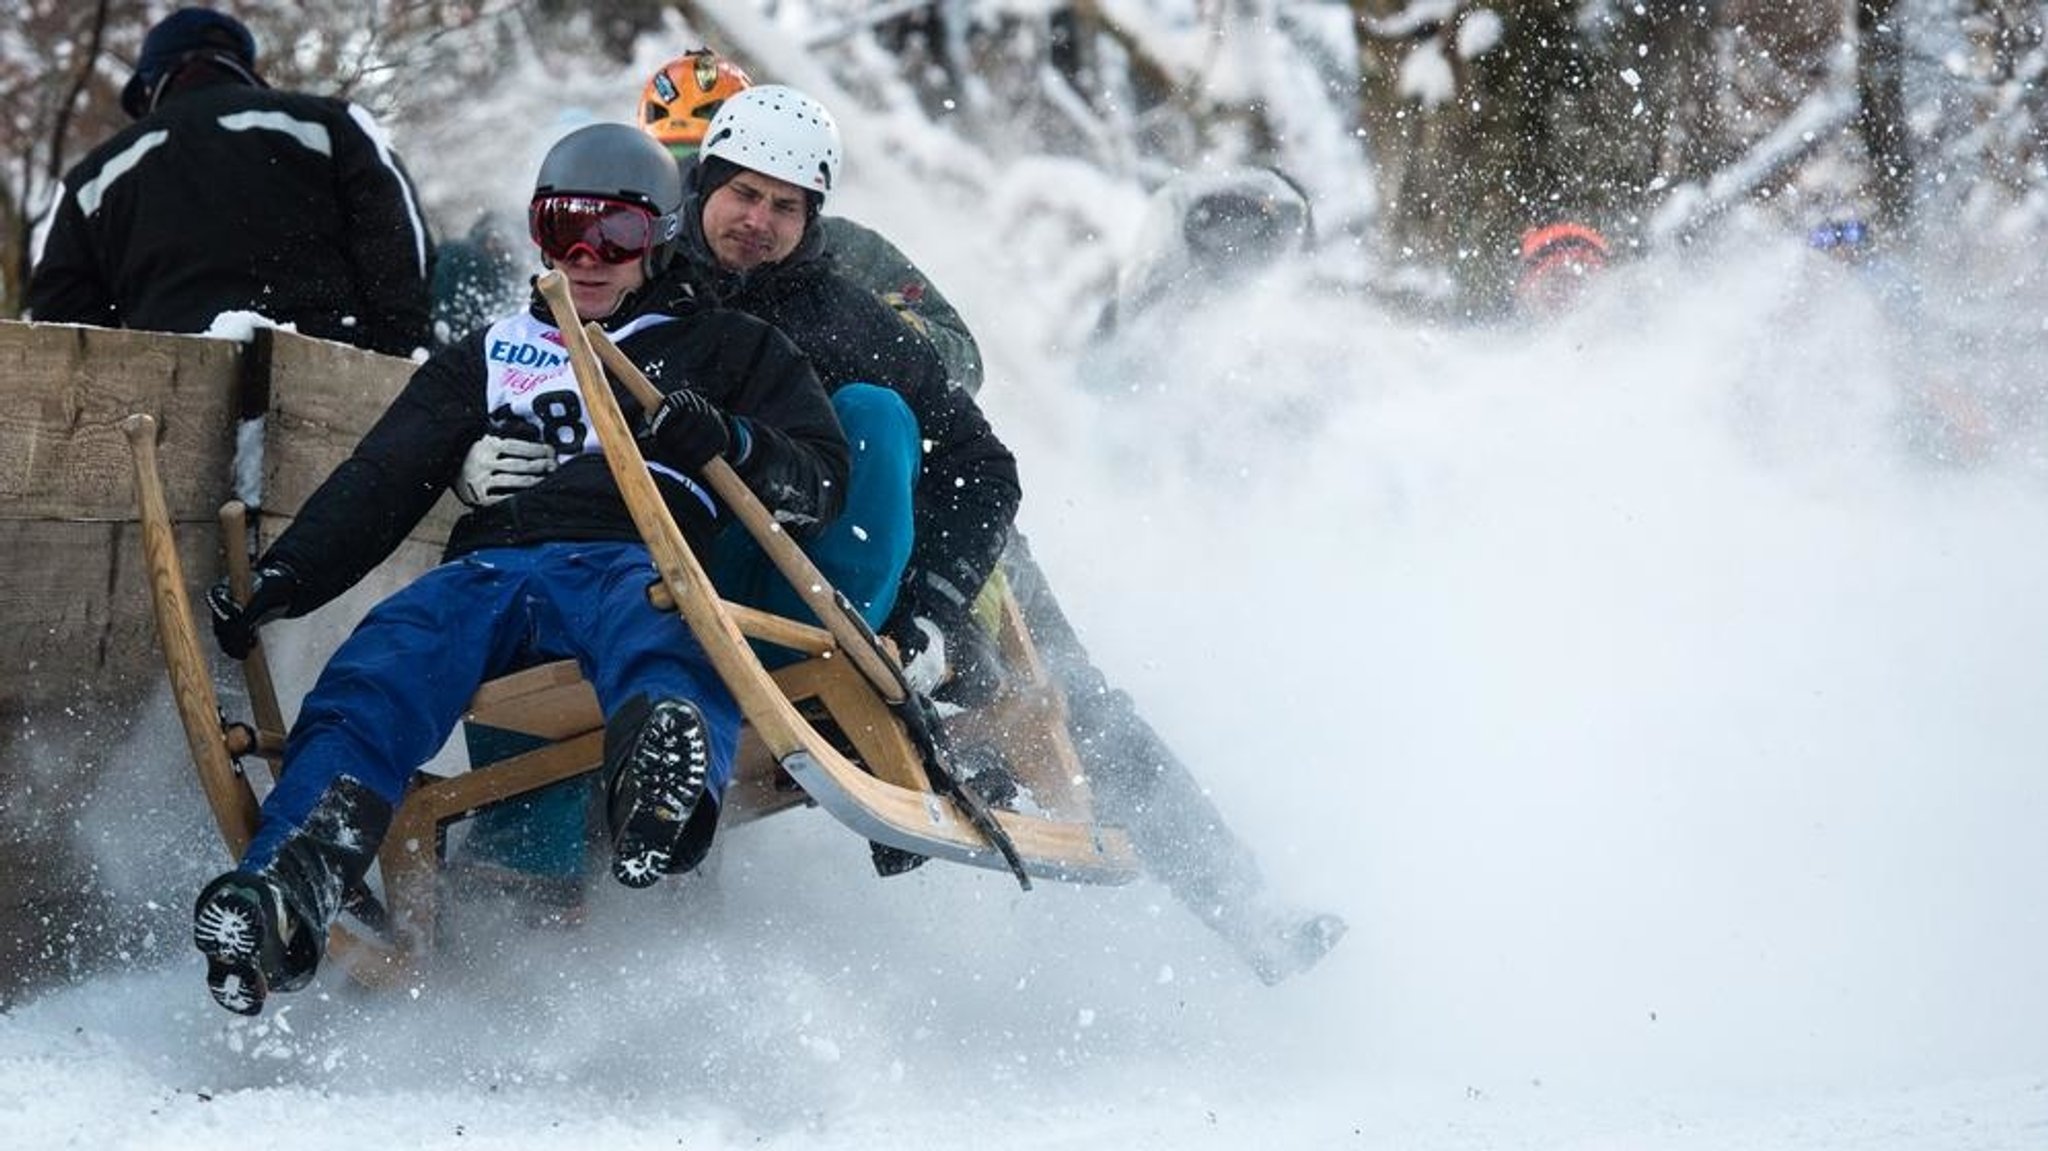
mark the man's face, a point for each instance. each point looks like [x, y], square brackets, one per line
[596, 287]
[753, 220]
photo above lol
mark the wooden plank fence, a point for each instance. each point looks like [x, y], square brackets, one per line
[78, 654]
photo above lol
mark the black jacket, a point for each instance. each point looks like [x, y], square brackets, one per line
[796, 459]
[233, 198]
[968, 493]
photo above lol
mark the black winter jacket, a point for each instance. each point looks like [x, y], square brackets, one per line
[796, 455]
[968, 493]
[233, 198]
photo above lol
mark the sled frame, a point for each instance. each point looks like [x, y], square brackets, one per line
[873, 779]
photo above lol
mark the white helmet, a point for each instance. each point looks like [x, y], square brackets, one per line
[777, 131]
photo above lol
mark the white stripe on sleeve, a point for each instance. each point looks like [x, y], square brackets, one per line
[375, 132]
[94, 190]
[308, 132]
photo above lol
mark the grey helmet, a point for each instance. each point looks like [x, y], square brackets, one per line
[619, 162]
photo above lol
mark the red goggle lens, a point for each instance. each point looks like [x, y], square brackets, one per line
[612, 230]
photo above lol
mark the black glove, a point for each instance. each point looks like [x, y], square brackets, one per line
[946, 654]
[271, 588]
[688, 429]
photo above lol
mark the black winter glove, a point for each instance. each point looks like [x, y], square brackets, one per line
[946, 654]
[688, 429]
[271, 588]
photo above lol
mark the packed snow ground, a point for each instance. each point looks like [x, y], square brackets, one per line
[1658, 699]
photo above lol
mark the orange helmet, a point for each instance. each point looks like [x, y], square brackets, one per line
[679, 101]
[1544, 242]
[1557, 261]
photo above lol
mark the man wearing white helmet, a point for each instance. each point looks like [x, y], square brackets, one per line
[761, 181]
[764, 170]
[676, 108]
[933, 491]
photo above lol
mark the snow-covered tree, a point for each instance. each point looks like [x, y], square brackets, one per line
[1430, 132]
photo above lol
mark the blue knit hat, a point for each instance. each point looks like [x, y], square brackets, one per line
[184, 33]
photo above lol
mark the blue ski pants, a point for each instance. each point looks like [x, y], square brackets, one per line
[391, 694]
[862, 553]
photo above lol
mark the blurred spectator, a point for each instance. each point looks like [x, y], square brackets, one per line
[1208, 231]
[227, 195]
[1850, 241]
[1947, 414]
[1557, 263]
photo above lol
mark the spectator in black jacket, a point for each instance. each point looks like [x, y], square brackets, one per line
[931, 482]
[556, 570]
[226, 195]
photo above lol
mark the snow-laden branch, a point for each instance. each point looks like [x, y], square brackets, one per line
[1419, 18]
[878, 15]
[1827, 111]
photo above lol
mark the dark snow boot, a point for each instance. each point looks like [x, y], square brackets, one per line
[890, 861]
[264, 929]
[657, 757]
[252, 941]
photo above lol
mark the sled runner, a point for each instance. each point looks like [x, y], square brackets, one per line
[839, 728]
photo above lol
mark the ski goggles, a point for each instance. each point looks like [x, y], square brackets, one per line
[614, 231]
[1838, 234]
[1233, 224]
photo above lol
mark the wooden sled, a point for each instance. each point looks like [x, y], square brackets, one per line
[837, 729]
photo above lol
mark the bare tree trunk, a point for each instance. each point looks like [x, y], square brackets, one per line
[15, 248]
[1881, 120]
[1683, 92]
[14, 245]
[617, 22]
[1462, 171]
[69, 105]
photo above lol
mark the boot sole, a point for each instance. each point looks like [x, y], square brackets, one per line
[229, 929]
[665, 773]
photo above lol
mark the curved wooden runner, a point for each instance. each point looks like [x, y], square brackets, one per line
[227, 790]
[234, 534]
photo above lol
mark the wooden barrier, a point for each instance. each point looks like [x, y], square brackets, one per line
[80, 653]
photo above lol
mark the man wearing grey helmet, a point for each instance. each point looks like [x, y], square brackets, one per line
[555, 570]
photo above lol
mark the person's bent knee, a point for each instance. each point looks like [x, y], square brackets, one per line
[876, 419]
